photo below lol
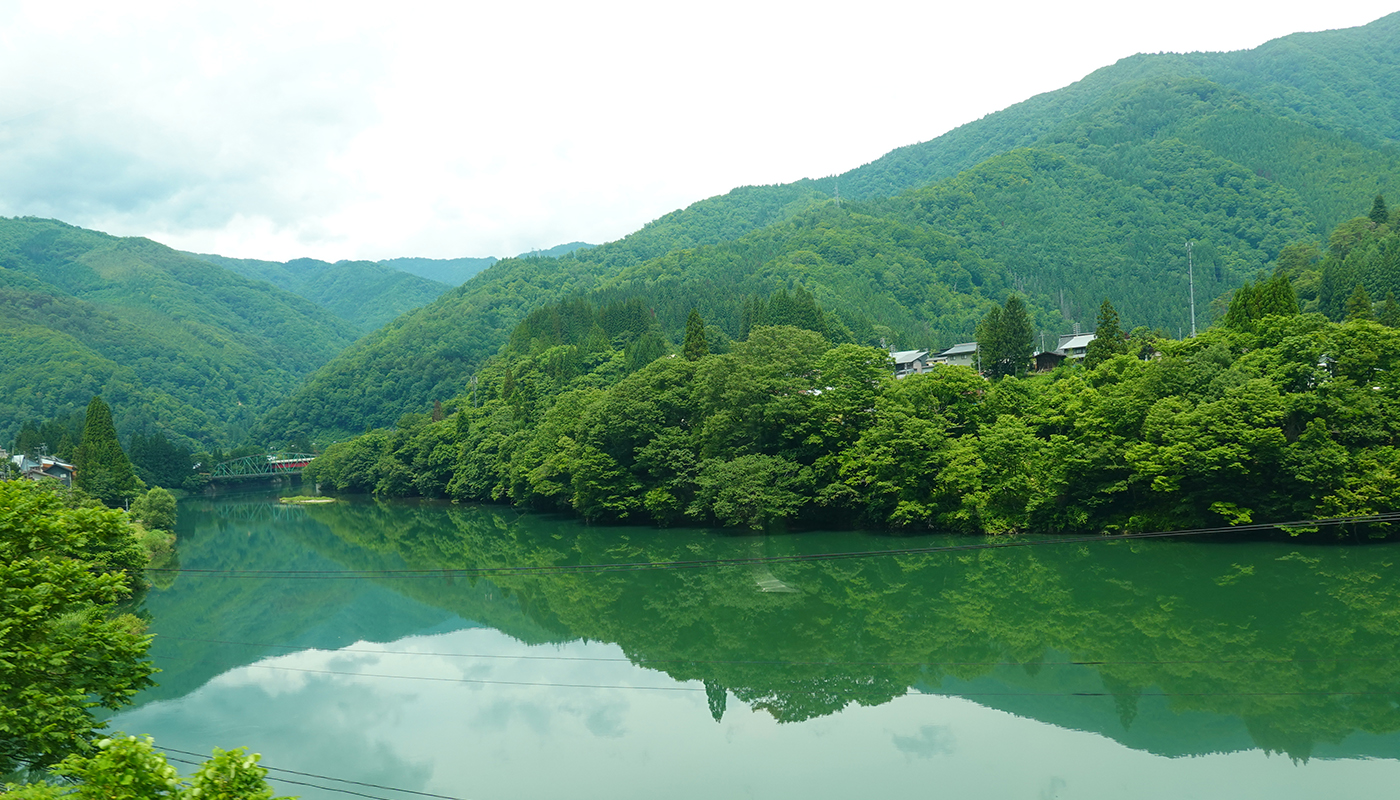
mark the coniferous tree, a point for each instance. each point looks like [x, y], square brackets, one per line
[1254, 301]
[1359, 305]
[103, 469]
[1277, 296]
[1390, 312]
[1006, 338]
[646, 349]
[159, 462]
[1108, 337]
[695, 347]
[1379, 213]
[29, 439]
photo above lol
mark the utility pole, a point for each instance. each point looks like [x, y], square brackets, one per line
[1191, 284]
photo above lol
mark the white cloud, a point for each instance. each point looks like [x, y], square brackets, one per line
[369, 131]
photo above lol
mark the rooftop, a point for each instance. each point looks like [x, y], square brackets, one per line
[963, 349]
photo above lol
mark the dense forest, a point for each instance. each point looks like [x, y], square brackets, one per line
[175, 345]
[1273, 415]
[365, 294]
[1334, 86]
[1092, 191]
[1089, 192]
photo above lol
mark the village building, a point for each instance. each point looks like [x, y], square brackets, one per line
[1047, 360]
[909, 362]
[959, 355]
[35, 469]
[1074, 345]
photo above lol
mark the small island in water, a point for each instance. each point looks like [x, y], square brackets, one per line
[304, 500]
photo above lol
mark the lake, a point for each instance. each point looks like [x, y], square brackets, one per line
[477, 652]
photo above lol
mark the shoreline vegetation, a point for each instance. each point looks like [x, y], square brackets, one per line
[1271, 416]
[1287, 409]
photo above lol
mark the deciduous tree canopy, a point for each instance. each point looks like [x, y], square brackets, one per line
[63, 567]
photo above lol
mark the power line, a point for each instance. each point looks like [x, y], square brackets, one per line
[319, 777]
[789, 663]
[639, 566]
[179, 760]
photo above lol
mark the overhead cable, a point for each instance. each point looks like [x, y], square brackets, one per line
[319, 777]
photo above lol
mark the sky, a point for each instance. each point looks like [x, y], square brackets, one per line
[372, 131]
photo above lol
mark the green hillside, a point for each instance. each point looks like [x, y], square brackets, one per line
[366, 294]
[451, 271]
[1341, 82]
[1070, 197]
[170, 342]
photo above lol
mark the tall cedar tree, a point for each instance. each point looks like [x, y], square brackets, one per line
[1390, 312]
[696, 347]
[1379, 213]
[1254, 301]
[1108, 337]
[103, 469]
[1359, 305]
[1006, 338]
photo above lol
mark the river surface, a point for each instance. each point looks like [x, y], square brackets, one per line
[474, 652]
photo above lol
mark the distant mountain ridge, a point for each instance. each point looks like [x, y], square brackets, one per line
[449, 271]
[172, 343]
[456, 271]
[366, 294]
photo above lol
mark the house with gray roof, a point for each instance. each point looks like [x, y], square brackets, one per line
[959, 355]
[1074, 345]
[43, 467]
[909, 362]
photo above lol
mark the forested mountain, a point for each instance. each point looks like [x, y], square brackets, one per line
[172, 343]
[1270, 416]
[451, 271]
[1070, 197]
[558, 250]
[366, 294]
[455, 271]
[1339, 81]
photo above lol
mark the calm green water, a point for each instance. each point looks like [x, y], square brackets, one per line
[1105, 670]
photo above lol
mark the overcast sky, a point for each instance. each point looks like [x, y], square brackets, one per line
[359, 130]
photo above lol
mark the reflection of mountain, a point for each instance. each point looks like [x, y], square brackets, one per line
[207, 613]
[1252, 642]
[1249, 641]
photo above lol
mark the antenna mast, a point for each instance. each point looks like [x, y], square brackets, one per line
[1191, 283]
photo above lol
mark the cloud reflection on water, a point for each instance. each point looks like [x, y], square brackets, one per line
[514, 739]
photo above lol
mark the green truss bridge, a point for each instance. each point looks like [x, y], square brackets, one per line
[261, 466]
